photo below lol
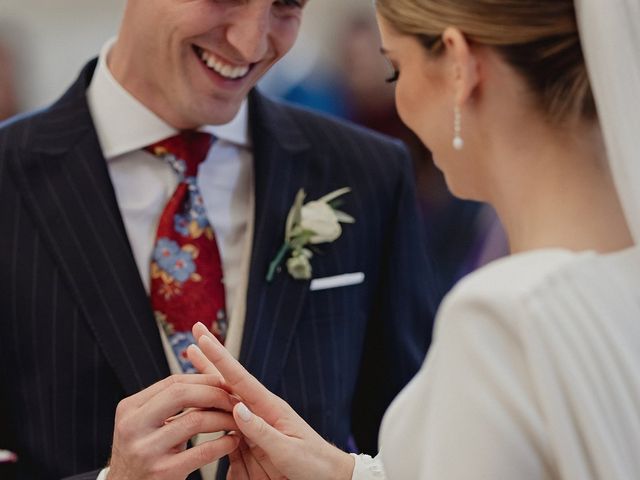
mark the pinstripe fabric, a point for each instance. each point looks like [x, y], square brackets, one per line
[82, 336]
[77, 330]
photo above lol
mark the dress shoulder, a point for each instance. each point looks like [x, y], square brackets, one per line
[516, 275]
[502, 290]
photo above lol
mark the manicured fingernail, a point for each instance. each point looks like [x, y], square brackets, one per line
[244, 413]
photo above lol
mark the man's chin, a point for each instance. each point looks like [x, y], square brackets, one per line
[197, 121]
[218, 113]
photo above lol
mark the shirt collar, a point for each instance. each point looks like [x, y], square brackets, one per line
[123, 124]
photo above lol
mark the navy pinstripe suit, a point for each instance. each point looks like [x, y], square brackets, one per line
[77, 332]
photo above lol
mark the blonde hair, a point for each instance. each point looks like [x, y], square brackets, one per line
[538, 38]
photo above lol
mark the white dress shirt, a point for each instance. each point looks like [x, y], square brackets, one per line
[143, 184]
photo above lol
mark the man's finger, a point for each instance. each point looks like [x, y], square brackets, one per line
[184, 427]
[180, 396]
[148, 393]
[196, 457]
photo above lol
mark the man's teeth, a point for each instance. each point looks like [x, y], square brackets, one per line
[223, 69]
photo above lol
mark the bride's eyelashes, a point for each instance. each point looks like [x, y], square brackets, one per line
[394, 76]
[395, 72]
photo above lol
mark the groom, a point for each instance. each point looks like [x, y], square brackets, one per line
[87, 303]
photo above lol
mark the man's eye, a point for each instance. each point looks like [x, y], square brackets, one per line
[290, 3]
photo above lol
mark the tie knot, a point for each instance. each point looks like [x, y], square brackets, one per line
[184, 151]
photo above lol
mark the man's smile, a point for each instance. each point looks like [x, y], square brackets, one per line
[221, 67]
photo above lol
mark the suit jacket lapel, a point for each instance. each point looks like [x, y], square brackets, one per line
[273, 309]
[67, 188]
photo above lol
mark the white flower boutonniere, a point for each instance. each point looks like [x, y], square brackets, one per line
[308, 224]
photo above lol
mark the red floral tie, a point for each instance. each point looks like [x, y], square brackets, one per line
[186, 271]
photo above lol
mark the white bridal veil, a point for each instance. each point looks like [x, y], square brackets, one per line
[610, 36]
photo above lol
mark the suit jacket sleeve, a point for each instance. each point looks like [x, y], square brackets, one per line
[399, 328]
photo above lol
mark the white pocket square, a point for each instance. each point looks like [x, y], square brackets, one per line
[345, 280]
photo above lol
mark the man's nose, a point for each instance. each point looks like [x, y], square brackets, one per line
[248, 30]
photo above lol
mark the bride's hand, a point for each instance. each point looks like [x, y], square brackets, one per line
[246, 463]
[282, 443]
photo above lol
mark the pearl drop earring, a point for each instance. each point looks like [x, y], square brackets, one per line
[458, 142]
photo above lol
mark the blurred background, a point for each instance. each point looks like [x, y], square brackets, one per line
[335, 67]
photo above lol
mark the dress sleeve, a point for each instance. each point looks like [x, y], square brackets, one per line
[471, 411]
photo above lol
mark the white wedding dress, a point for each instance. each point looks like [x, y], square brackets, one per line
[534, 373]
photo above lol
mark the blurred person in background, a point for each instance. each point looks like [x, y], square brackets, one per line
[154, 194]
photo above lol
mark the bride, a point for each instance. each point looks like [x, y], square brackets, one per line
[535, 368]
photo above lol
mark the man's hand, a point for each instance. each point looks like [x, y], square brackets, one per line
[280, 444]
[152, 428]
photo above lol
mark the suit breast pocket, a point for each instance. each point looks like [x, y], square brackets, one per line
[337, 281]
[336, 296]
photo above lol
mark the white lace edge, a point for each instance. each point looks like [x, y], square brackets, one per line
[367, 468]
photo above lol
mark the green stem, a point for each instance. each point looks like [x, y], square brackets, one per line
[273, 266]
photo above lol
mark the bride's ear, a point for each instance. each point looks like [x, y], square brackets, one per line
[464, 64]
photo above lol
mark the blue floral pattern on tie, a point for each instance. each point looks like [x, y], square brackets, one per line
[165, 252]
[181, 224]
[180, 341]
[175, 261]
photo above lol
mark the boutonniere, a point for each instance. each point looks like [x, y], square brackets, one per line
[309, 224]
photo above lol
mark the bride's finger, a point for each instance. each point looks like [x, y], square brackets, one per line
[254, 468]
[201, 362]
[240, 381]
[237, 469]
[265, 462]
